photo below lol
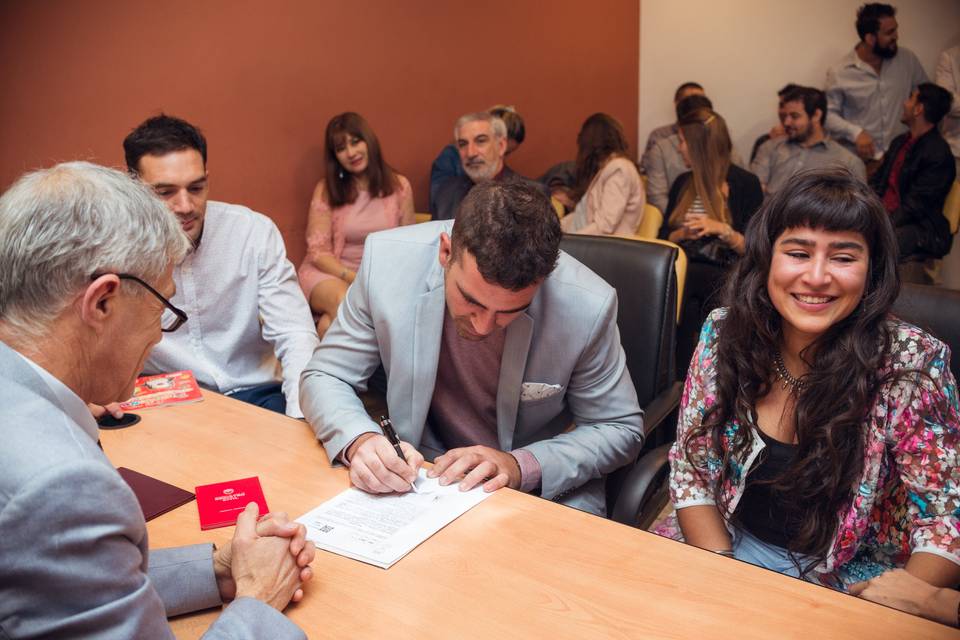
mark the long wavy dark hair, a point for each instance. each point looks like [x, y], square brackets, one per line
[601, 137]
[843, 379]
[341, 187]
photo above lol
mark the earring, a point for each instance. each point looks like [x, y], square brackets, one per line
[340, 173]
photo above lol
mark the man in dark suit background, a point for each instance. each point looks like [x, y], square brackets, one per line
[481, 139]
[917, 174]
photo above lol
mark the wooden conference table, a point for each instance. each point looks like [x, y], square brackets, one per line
[513, 567]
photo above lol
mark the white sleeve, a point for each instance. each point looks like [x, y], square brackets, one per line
[285, 316]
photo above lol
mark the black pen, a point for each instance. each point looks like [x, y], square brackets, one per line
[387, 427]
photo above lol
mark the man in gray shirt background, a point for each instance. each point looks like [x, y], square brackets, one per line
[805, 146]
[867, 87]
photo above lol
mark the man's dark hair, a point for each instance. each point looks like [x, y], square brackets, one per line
[684, 87]
[691, 104]
[936, 101]
[512, 231]
[787, 88]
[159, 136]
[811, 98]
[868, 17]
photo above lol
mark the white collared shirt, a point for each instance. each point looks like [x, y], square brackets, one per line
[246, 310]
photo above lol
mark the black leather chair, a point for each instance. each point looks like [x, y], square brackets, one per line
[645, 280]
[935, 310]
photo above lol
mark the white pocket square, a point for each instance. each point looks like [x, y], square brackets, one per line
[538, 391]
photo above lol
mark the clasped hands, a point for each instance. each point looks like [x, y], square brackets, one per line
[698, 225]
[375, 466]
[267, 559]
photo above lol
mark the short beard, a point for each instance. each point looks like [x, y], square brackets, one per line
[484, 173]
[885, 52]
[803, 136]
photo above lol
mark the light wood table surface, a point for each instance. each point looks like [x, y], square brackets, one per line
[515, 566]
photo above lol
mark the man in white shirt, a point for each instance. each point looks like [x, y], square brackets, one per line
[237, 284]
[867, 87]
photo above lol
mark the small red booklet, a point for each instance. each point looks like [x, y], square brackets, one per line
[163, 389]
[220, 504]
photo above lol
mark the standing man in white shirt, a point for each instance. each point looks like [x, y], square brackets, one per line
[867, 87]
[236, 283]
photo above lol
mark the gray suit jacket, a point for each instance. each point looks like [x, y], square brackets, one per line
[393, 314]
[73, 543]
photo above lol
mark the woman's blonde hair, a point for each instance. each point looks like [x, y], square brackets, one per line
[709, 147]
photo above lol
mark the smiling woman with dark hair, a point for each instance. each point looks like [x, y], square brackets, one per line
[818, 434]
[359, 194]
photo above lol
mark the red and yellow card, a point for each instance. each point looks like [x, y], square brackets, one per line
[163, 389]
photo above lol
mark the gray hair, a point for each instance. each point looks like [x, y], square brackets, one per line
[499, 128]
[59, 226]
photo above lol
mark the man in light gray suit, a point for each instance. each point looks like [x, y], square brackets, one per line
[86, 257]
[502, 358]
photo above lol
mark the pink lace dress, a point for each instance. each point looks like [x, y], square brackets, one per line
[342, 231]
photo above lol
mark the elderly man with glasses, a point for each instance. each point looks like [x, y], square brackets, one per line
[76, 326]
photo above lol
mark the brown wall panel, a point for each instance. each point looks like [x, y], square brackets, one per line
[262, 79]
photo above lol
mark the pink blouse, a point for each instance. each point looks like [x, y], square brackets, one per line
[341, 232]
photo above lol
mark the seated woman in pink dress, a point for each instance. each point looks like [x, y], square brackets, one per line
[359, 194]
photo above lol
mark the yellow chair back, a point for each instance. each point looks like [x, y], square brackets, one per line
[423, 217]
[558, 207]
[951, 208]
[650, 223]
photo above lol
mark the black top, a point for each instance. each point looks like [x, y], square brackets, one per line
[925, 180]
[453, 190]
[765, 515]
[746, 196]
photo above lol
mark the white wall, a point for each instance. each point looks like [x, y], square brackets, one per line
[742, 51]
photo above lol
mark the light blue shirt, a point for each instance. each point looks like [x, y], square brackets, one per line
[860, 99]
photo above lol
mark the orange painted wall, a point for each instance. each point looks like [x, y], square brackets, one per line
[262, 79]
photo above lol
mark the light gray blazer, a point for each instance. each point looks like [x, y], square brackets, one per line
[393, 314]
[73, 543]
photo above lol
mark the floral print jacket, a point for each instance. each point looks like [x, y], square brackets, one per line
[909, 494]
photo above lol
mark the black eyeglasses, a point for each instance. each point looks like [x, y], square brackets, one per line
[172, 318]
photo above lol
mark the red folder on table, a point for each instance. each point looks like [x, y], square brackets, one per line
[220, 504]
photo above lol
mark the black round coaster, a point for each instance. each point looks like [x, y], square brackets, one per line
[107, 421]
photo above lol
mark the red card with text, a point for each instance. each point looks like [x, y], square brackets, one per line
[220, 504]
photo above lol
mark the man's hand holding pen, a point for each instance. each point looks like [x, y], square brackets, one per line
[377, 467]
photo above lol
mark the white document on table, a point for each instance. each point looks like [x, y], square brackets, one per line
[381, 529]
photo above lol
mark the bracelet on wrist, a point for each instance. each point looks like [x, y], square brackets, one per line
[726, 553]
